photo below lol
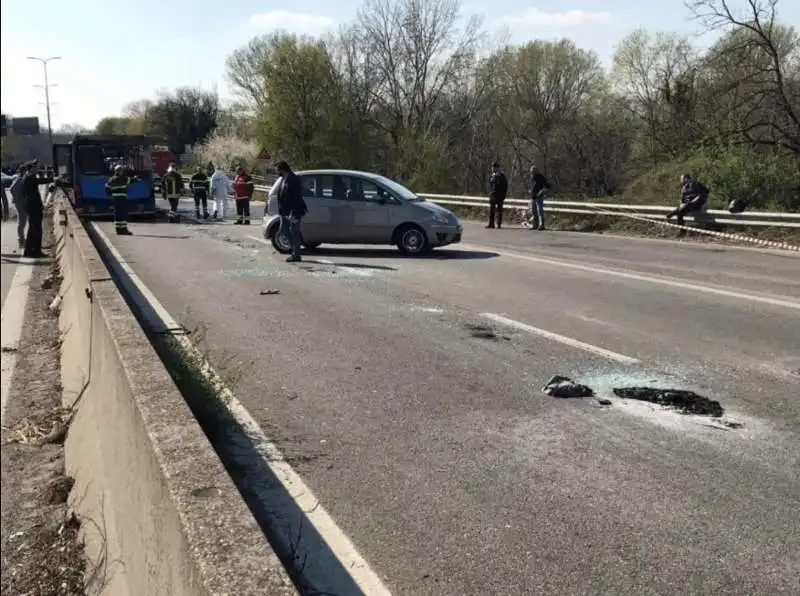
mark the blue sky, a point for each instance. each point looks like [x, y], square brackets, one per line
[112, 53]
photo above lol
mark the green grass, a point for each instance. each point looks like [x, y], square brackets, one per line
[765, 180]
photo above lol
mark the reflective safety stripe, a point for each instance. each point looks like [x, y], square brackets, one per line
[121, 224]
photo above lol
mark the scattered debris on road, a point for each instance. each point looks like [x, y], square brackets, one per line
[603, 401]
[560, 386]
[270, 292]
[682, 400]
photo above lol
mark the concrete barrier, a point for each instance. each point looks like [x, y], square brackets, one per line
[160, 514]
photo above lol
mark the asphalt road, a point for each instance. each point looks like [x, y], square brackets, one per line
[436, 450]
[9, 257]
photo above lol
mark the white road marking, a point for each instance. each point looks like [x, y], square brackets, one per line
[257, 239]
[675, 283]
[11, 321]
[567, 341]
[338, 542]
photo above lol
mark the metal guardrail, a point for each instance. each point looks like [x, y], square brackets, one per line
[775, 219]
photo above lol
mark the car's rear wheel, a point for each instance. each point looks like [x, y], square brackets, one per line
[412, 241]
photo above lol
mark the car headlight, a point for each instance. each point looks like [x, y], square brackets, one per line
[440, 218]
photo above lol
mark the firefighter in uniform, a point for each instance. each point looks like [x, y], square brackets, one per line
[200, 185]
[117, 186]
[173, 187]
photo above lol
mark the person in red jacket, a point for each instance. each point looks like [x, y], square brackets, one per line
[243, 187]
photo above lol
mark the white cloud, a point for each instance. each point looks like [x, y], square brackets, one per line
[533, 17]
[296, 22]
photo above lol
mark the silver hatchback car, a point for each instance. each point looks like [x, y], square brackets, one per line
[350, 207]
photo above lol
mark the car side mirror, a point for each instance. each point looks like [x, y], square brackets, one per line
[382, 200]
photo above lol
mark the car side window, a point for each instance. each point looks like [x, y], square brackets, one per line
[334, 187]
[366, 191]
[309, 185]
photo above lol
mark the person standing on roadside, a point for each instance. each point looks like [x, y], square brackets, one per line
[243, 187]
[200, 185]
[539, 187]
[35, 210]
[220, 188]
[172, 187]
[17, 192]
[498, 189]
[291, 207]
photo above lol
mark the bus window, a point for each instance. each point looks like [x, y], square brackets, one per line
[91, 160]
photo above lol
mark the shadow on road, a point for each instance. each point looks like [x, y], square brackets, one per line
[164, 236]
[351, 265]
[14, 259]
[391, 253]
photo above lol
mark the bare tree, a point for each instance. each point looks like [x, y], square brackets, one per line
[760, 33]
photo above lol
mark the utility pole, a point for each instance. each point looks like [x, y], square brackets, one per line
[46, 88]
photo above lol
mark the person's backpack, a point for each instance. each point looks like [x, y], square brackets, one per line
[737, 205]
[17, 189]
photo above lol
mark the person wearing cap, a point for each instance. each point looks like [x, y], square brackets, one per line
[172, 186]
[35, 210]
[118, 186]
[498, 189]
[17, 192]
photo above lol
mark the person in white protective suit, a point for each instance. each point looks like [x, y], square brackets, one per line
[221, 187]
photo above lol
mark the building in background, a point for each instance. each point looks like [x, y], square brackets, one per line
[23, 140]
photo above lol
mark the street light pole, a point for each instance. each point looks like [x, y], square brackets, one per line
[47, 86]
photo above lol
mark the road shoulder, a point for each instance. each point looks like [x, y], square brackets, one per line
[41, 550]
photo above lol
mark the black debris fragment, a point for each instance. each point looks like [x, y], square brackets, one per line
[270, 292]
[560, 386]
[686, 402]
[603, 401]
[481, 331]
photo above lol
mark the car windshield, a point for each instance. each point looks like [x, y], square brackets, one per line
[398, 189]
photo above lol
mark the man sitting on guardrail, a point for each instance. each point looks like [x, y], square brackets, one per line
[694, 196]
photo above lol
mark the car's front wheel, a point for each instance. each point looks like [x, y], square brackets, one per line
[412, 241]
[280, 240]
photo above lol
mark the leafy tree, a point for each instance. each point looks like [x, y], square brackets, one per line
[184, 117]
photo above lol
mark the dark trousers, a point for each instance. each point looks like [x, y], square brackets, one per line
[243, 209]
[291, 227]
[121, 213]
[173, 204]
[33, 239]
[496, 212]
[690, 206]
[201, 198]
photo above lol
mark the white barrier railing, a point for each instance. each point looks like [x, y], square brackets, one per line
[651, 212]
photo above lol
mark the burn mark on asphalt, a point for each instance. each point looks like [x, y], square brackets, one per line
[485, 332]
[682, 400]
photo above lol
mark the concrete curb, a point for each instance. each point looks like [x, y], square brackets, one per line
[161, 515]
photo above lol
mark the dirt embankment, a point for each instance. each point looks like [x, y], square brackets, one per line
[41, 550]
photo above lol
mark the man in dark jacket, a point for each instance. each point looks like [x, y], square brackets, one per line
[694, 196]
[291, 207]
[35, 210]
[200, 185]
[498, 189]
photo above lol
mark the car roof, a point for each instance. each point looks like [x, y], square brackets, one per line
[332, 172]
